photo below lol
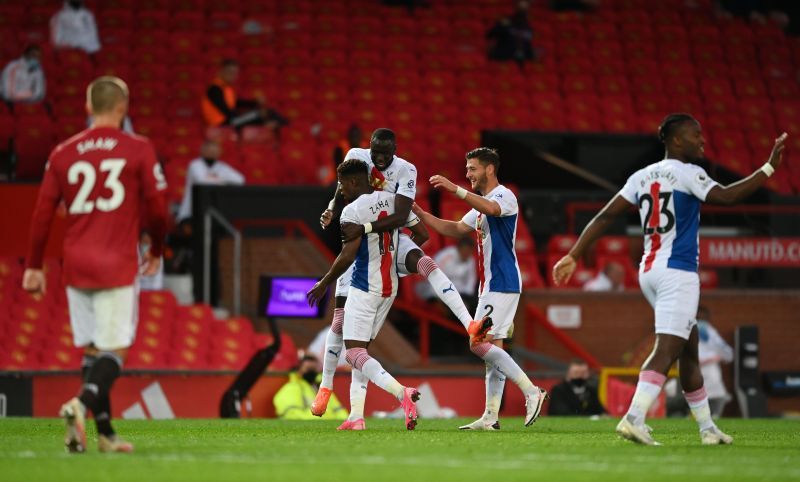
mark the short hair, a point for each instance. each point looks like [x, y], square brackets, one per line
[31, 47]
[105, 92]
[578, 362]
[353, 167]
[383, 134]
[308, 357]
[669, 126]
[228, 63]
[485, 156]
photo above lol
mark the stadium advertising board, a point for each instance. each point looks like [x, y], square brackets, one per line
[744, 252]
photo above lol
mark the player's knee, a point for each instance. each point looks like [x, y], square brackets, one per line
[356, 357]
[338, 321]
[426, 265]
[480, 349]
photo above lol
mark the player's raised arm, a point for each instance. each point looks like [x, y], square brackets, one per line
[742, 189]
[562, 271]
[337, 201]
[396, 220]
[452, 229]
[346, 257]
[33, 279]
[479, 203]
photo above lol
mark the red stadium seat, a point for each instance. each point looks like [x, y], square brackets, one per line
[33, 142]
[613, 246]
[560, 244]
[152, 20]
[529, 269]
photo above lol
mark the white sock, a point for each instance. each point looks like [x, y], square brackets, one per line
[333, 348]
[358, 394]
[495, 383]
[647, 390]
[444, 289]
[505, 365]
[698, 403]
[372, 369]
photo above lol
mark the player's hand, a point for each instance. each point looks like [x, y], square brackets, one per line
[441, 182]
[562, 271]
[326, 218]
[417, 210]
[316, 293]
[150, 264]
[352, 231]
[34, 281]
[486, 338]
[776, 157]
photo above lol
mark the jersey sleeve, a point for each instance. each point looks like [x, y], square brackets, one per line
[46, 204]
[697, 181]
[470, 218]
[412, 220]
[154, 185]
[349, 215]
[628, 191]
[507, 201]
[407, 182]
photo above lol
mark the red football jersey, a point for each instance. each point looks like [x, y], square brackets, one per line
[106, 178]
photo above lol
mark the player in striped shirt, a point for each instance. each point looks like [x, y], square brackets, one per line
[372, 290]
[494, 218]
[668, 195]
[393, 174]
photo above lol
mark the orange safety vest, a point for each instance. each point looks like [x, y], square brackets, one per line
[211, 114]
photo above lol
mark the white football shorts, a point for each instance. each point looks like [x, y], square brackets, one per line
[674, 295]
[364, 314]
[501, 307]
[404, 246]
[106, 318]
[343, 283]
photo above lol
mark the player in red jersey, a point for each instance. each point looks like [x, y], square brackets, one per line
[112, 186]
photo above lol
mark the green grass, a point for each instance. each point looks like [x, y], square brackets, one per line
[553, 449]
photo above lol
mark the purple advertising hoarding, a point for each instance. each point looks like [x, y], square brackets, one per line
[287, 297]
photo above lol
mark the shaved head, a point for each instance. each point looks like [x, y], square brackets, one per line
[105, 93]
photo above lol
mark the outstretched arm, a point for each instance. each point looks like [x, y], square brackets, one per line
[742, 189]
[402, 208]
[452, 229]
[479, 203]
[563, 270]
[337, 201]
[339, 266]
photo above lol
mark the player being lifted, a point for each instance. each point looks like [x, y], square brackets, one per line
[105, 177]
[372, 290]
[392, 174]
[494, 217]
[668, 195]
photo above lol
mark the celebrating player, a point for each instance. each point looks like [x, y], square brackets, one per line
[392, 174]
[494, 217]
[668, 195]
[372, 290]
[105, 177]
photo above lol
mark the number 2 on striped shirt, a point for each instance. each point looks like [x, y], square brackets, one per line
[657, 204]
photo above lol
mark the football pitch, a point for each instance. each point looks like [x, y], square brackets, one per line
[553, 449]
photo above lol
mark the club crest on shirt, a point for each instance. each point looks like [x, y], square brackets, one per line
[702, 179]
[376, 179]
